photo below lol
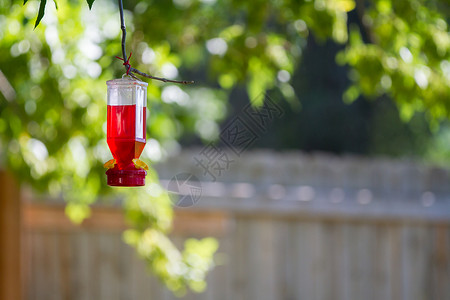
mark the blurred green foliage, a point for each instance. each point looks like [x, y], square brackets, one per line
[406, 56]
[52, 87]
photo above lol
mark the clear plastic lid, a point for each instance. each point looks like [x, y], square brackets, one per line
[127, 91]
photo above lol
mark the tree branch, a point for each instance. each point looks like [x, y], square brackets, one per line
[159, 78]
[126, 63]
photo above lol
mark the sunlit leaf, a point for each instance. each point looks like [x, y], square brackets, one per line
[41, 12]
[90, 3]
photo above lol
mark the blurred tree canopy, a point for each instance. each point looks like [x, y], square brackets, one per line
[52, 86]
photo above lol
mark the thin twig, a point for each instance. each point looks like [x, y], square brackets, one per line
[130, 69]
[124, 31]
[159, 78]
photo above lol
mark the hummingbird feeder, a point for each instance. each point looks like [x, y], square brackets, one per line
[126, 131]
[126, 121]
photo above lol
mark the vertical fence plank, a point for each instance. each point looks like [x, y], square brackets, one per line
[218, 280]
[125, 270]
[335, 256]
[107, 259]
[440, 265]
[414, 254]
[46, 267]
[239, 260]
[39, 275]
[261, 256]
[361, 261]
[323, 241]
[381, 274]
[305, 247]
[35, 253]
[52, 259]
[140, 283]
[285, 270]
[342, 272]
[28, 261]
[65, 265]
[395, 262]
[83, 276]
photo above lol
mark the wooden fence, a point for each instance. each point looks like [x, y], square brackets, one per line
[317, 227]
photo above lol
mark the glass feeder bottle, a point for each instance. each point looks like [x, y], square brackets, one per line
[126, 131]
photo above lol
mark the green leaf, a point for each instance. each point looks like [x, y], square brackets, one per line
[90, 2]
[41, 12]
[24, 2]
[56, 4]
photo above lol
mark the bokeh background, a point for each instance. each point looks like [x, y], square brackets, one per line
[341, 193]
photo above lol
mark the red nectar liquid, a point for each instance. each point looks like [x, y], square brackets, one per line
[126, 133]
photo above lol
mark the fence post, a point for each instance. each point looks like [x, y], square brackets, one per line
[10, 236]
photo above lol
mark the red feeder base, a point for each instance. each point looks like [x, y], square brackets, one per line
[126, 177]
